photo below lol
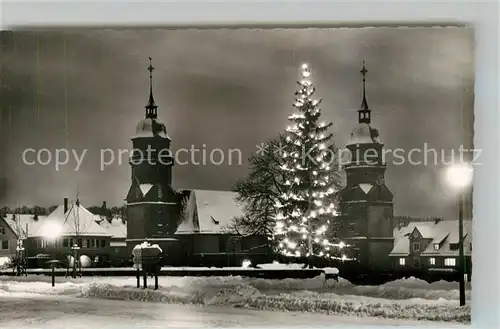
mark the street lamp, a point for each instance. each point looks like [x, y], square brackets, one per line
[459, 176]
[51, 230]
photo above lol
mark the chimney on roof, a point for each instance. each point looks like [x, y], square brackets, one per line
[437, 220]
[65, 205]
[77, 202]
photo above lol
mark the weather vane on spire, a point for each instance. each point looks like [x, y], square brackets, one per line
[363, 70]
[151, 107]
[150, 69]
[364, 111]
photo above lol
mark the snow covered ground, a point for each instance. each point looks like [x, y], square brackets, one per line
[410, 299]
[21, 310]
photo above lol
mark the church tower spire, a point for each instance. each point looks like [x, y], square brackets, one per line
[151, 107]
[364, 111]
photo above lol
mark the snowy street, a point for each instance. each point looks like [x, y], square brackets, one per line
[209, 297]
[32, 311]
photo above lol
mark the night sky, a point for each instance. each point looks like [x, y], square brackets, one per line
[225, 89]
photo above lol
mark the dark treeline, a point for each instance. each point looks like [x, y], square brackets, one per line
[104, 211]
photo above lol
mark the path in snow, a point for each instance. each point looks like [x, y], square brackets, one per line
[35, 311]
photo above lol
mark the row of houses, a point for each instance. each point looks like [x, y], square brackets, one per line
[420, 245]
[53, 236]
[202, 235]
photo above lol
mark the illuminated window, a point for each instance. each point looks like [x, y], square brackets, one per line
[402, 261]
[449, 262]
[432, 261]
[436, 246]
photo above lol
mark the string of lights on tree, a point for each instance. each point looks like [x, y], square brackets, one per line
[307, 203]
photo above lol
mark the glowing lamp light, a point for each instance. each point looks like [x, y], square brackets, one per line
[51, 230]
[459, 176]
[341, 245]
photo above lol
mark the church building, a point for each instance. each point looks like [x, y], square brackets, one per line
[191, 226]
[152, 204]
[366, 203]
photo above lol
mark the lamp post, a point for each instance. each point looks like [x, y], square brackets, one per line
[459, 176]
[20, 256]
[76, 258]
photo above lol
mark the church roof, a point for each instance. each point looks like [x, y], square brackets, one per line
[150, 127]
[209, 212]
[366, 187]
[363, 133]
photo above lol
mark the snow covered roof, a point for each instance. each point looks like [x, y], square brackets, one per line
[151, 128]
[366, 187]
[117, 228]
[76, 221]
[449, 230]
[402, 237]
[18, 223]
[443, 233]
[426, 231]
[145, 188]
[364, 134]
[209, 212]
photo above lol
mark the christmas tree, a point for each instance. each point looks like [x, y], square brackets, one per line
[308, 201]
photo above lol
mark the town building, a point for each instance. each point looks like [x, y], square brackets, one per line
[117, 228]
[431, 246]
[13, 227]
[53, 236]
[366, 213]
[191, 226]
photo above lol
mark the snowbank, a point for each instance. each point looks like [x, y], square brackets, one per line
[292, 266]
[402, 299]
[4, 262]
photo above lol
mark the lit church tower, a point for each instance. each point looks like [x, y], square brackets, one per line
[152, 204]
[366, 205]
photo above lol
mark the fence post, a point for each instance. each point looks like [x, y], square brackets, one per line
[53, 275]
[138, 276]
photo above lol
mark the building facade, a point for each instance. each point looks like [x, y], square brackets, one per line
[431, 246]
[8, 237]
[53, 236]
[366, 203]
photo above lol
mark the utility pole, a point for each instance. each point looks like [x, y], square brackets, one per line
[461, 257]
